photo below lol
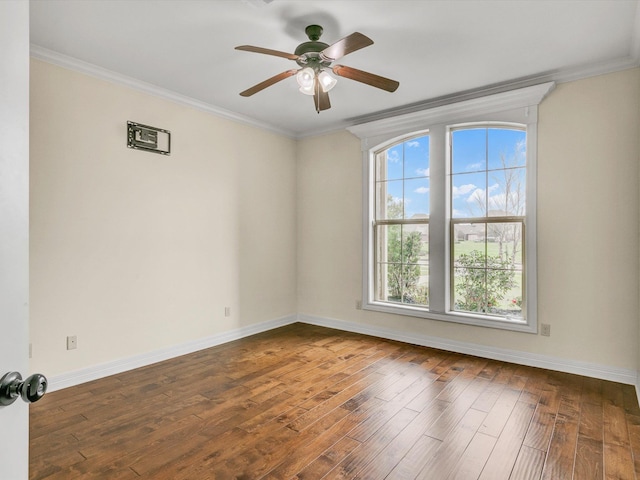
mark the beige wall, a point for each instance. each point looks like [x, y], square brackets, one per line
[587, 229]
[133, 251]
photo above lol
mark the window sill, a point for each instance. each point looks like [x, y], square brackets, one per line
[517, 325]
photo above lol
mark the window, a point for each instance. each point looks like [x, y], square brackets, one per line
[487, 192]
[401, 225]
[449, 201]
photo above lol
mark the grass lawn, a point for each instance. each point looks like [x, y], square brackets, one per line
[493, 248]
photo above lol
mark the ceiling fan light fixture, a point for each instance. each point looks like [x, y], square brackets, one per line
[327, 82]
[307, 90]
[306, 78]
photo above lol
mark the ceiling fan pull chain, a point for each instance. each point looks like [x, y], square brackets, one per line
[316, 97]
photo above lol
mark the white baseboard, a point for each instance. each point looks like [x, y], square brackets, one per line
[95, 372]
[604, 372]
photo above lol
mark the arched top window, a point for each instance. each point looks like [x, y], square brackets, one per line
[450, 212]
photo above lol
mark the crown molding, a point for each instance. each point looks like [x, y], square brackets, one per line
[571, 74]
[564, 75]
[558, 76]
[40, 53]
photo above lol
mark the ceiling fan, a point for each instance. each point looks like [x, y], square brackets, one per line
[315, 58]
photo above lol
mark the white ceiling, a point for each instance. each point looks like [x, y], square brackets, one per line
[434, 48]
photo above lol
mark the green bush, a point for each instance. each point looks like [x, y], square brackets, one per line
[403, 272]
[481, 281]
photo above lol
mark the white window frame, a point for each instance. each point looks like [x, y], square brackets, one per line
[516, 107]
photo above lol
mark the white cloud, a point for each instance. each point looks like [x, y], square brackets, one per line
[514, 205]
[475, 166]
[463, 190]
[393, 156]
[477, 196]
[422, 172]
[421, 190]
[413, 144]
[498, 202]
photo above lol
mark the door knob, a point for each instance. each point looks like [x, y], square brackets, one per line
[31, 390]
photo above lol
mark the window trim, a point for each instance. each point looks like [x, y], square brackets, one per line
[516, 106]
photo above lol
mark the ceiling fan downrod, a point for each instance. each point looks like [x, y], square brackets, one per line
[314, 32]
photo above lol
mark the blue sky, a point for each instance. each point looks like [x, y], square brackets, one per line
[411, 161]
[478, 174]
[482, 161]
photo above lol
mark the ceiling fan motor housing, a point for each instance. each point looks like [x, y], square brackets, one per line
[309, 52]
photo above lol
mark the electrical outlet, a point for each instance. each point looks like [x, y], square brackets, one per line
[227, 311]
[545, 329]
[358, 304]
[72, 342]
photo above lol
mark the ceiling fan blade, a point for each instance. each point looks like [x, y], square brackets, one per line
[268, 82]
[366, 77]
[347, 45]
[267, 51]
[321, 98]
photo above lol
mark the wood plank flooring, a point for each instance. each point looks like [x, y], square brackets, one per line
[305, 402]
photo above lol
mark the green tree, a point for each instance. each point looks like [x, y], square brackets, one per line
[403, 252]
[481, 281]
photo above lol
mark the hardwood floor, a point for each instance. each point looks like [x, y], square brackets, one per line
[304, 402]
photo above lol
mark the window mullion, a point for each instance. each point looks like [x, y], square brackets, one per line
[438, 231]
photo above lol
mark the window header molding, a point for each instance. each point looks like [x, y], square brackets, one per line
[378, 131]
